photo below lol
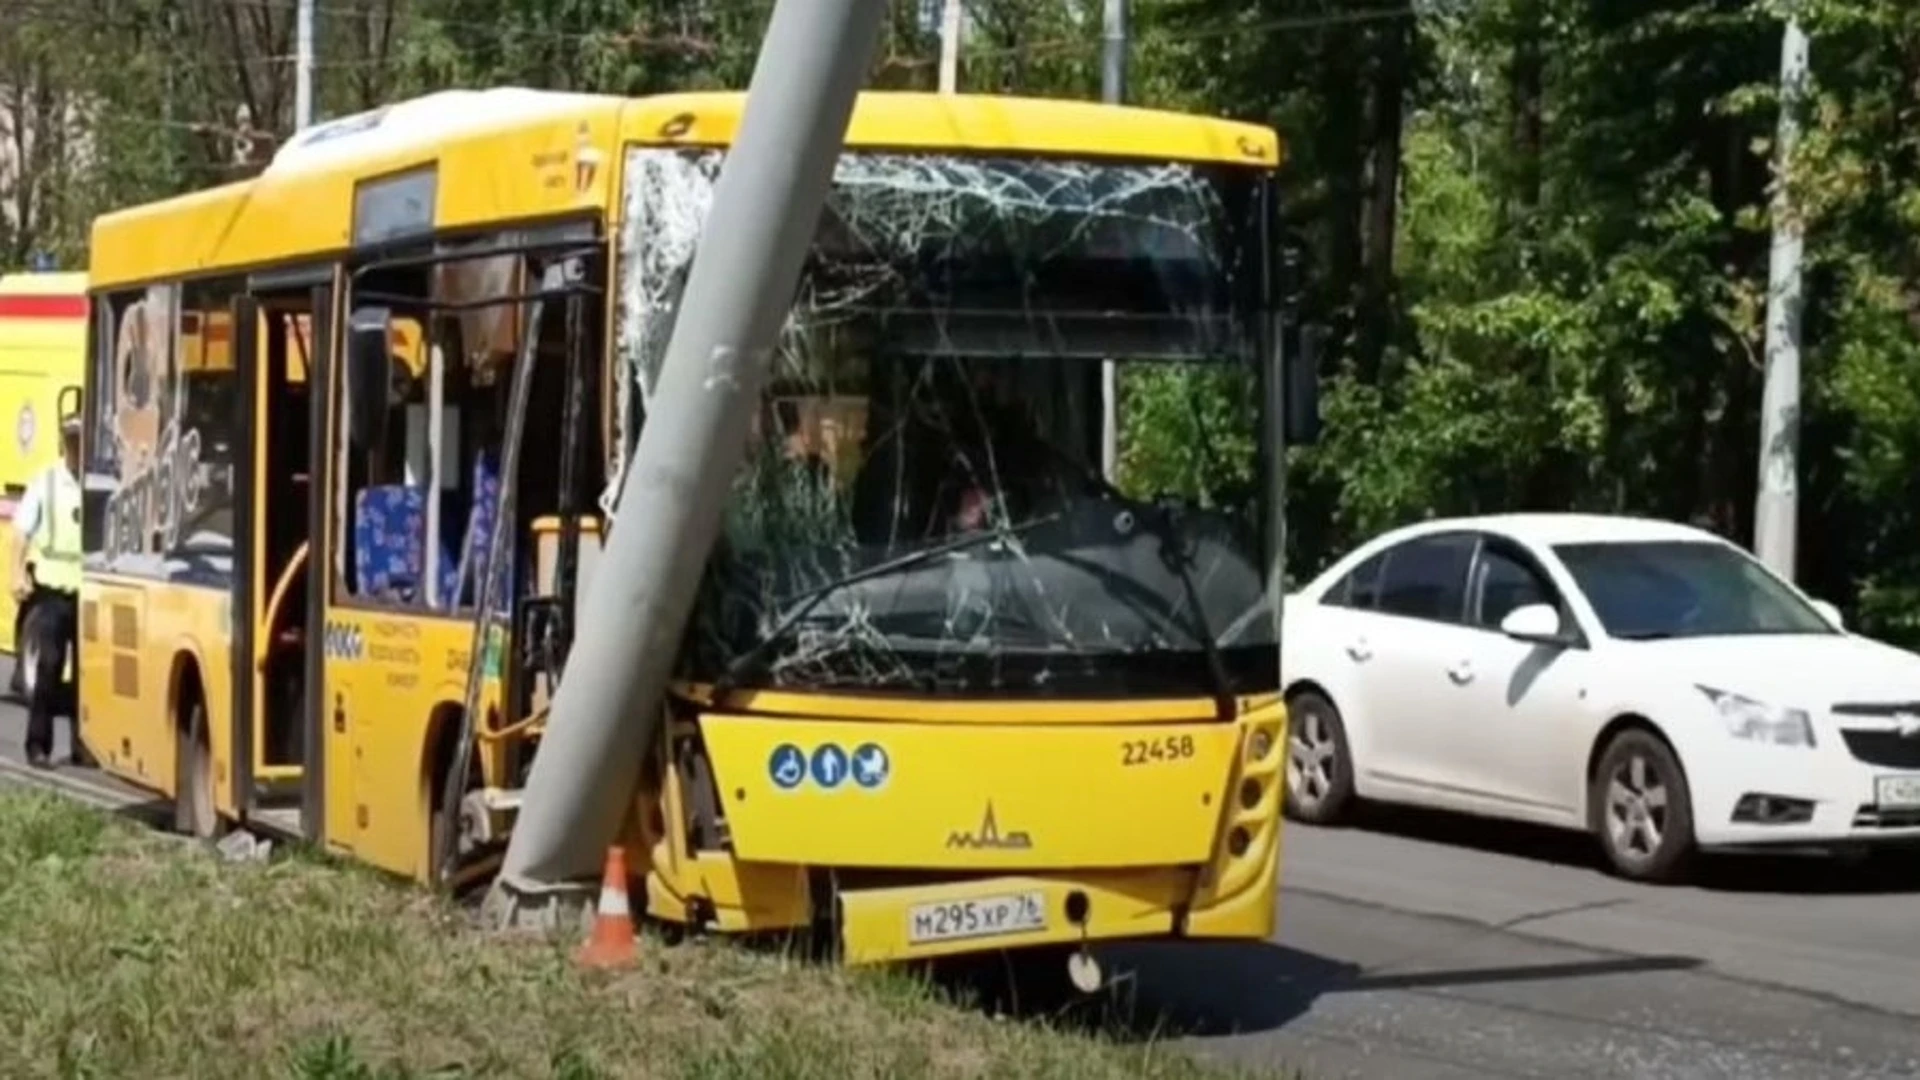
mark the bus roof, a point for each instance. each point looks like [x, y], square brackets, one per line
[513, 154]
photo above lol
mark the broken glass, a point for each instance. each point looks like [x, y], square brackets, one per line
[923, 505]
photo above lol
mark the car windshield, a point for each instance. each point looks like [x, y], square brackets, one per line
[1685, 588]
[923, 506]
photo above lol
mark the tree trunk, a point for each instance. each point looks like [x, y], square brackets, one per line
[1527, 88]
[1387, 111]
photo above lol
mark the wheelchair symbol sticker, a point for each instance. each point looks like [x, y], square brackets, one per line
[787, 767]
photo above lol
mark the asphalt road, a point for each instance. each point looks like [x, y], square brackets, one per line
[1419, 946]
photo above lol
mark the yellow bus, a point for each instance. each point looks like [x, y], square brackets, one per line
[43, 348]
[946, 688]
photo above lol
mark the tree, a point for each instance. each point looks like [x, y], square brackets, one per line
[1539, 227]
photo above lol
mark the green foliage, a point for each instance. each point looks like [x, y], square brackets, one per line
[1188, 430]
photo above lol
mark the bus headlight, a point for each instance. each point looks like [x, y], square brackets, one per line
[1259, 744]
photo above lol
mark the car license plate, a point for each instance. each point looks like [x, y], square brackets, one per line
[988, 916]
[1896, 792]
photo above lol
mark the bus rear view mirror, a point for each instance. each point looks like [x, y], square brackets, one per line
[368, 375]
[1301, 380]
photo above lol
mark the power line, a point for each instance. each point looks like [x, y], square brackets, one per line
[632, 37]
[39, 9]
[1091, 45]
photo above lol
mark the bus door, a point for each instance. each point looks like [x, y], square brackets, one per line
[280, 335]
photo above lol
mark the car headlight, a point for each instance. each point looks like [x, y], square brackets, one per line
[1760, 722]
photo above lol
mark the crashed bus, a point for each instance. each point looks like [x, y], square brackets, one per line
[950, 685]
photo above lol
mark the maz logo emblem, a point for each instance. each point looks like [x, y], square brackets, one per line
[990, 838]
[1908, 725]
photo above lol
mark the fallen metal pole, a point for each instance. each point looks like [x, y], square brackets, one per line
[743, 279]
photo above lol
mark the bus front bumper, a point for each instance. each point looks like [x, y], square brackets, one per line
[933, 920]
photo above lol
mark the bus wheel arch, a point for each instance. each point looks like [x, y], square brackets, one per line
[194, 811]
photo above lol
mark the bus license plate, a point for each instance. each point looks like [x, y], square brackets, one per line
[988, 916]
[1897, 792]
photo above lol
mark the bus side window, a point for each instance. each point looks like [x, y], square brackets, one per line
[387, 514]
[419, 521]
[207, 402]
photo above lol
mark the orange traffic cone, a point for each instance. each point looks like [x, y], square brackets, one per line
[612, 942]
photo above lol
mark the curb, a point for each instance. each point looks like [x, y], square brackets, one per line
[65, 784]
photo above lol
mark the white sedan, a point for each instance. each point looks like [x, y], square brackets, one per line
[1645, 681]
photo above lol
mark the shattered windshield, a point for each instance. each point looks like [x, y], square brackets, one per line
[924, 505]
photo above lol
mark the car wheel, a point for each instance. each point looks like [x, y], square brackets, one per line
[1319, 766]
[1640, 809]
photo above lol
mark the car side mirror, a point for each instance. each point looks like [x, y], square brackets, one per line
[1830, 613]
[368, 375]
[1538, 624]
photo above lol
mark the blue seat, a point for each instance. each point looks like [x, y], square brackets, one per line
[460, 570]
[389, 530]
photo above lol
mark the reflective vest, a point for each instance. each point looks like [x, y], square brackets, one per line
[56, 536]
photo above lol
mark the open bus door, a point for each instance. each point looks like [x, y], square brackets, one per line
[279, 335]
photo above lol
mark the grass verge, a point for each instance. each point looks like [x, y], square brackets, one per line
[131, 954]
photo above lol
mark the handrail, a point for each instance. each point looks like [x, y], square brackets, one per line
[526, 725]
[263, 644]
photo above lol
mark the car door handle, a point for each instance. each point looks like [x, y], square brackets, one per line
[1461, 673]
[1360, 650]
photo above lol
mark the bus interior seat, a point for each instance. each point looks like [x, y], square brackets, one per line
[472, 554]
[389, 531]
[389, 540]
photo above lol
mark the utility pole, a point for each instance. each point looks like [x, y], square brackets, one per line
[950, 11]
[1113, 90]
[608, 708]
[1776, 510]
[1113, 53]
[303, 66]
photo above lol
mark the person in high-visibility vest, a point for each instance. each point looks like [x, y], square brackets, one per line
[46, 534]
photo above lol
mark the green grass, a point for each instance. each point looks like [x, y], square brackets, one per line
[126, 953]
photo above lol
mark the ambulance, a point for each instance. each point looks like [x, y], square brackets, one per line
[43, 345]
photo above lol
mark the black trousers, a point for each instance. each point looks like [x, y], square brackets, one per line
[52, 624]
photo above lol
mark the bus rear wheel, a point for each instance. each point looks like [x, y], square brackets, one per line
[26, 654]
[193, 809]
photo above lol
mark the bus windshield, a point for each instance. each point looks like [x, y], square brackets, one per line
[924, 506]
